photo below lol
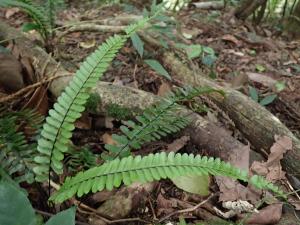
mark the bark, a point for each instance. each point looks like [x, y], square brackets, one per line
[247, 7]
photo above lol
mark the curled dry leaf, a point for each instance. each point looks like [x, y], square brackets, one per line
[272, 168]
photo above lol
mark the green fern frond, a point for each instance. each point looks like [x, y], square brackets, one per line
[156, 121]
[59, 125]
[146, 169]
[51, 7]
[36, 12]
[16, 154]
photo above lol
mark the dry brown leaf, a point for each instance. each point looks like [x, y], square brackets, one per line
[88, 44]
[38, 101]
[231, 38]
[84, 122]
[107, 139]
[239, 80]
[231, 190]
[163, 89]
[10, 12]
[165, 206]
[268, 215]
[262, 79]
[29, 76]
[272, 168]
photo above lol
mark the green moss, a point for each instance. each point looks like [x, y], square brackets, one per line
[119, 112]
[93, 102]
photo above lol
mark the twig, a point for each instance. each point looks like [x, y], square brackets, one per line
[186, 210]
[24, 90]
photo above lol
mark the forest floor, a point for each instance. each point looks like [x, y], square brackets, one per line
[258, 60]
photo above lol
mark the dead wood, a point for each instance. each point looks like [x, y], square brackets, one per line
[257, 124]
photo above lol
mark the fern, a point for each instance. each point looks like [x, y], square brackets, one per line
[156, 121]
[59, 125]
[16, 154]
[36, 12]
[149, 168]
[80, 159]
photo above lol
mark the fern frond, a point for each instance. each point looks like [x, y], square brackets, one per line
[156, 121]
[59, 125]
[16, 155]
[51, 7]
[36, 12]
[146, 169]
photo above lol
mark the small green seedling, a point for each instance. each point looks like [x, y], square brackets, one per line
[262, 101]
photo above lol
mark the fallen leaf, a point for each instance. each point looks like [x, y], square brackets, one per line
[281, 146]
[84, 122]
[10, 12]
[268, 215]
[164, 89]
[231, 38]
[107, 139]
[88, 44]
[272, 168]
[38, 101]
[193, 184]
[261, 79]
[231, 190]
[239, 80]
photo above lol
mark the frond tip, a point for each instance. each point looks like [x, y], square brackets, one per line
[146, 169]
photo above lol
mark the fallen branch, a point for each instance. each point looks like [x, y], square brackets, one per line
[257, 124]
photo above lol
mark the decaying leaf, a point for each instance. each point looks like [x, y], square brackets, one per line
[272, 168]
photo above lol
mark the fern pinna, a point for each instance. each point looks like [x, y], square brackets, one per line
[59, 125]
[149, 168]
[156, 121]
